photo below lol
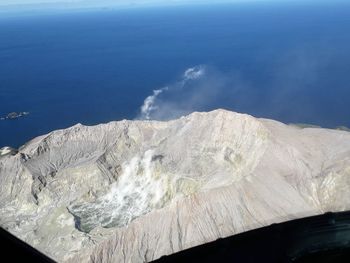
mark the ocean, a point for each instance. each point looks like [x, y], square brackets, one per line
[286, 61]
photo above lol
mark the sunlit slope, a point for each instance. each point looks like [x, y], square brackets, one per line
[136, 190]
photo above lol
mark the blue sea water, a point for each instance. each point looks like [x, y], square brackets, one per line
[289, 62]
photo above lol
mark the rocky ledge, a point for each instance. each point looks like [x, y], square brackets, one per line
[132, 191]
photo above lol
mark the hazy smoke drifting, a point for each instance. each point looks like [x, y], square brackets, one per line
[198, 88]
[194, 73]
[149, 105]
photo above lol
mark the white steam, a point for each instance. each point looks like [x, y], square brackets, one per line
[149, 104]
[194, 73]
[139, 189]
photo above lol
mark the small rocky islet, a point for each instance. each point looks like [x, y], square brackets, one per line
[14, 115]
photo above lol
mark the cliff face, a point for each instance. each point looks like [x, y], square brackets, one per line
[132, 191]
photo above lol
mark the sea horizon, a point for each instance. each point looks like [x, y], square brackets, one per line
[279, 61]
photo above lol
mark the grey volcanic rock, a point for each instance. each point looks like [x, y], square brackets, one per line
[14, 115]
[132, 191]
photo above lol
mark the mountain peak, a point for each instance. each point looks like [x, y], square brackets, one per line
[118, 190]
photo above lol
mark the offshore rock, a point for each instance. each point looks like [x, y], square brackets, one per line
[132, 191]
[14, 115]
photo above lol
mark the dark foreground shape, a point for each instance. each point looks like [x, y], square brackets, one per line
[321, 239]
[15, 250]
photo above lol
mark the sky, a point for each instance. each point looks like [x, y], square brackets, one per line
[33, 7]
[105, 2]
[120, 2]
[28, 6]
[112, 3]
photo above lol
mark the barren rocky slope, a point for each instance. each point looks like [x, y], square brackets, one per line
[132, 191]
